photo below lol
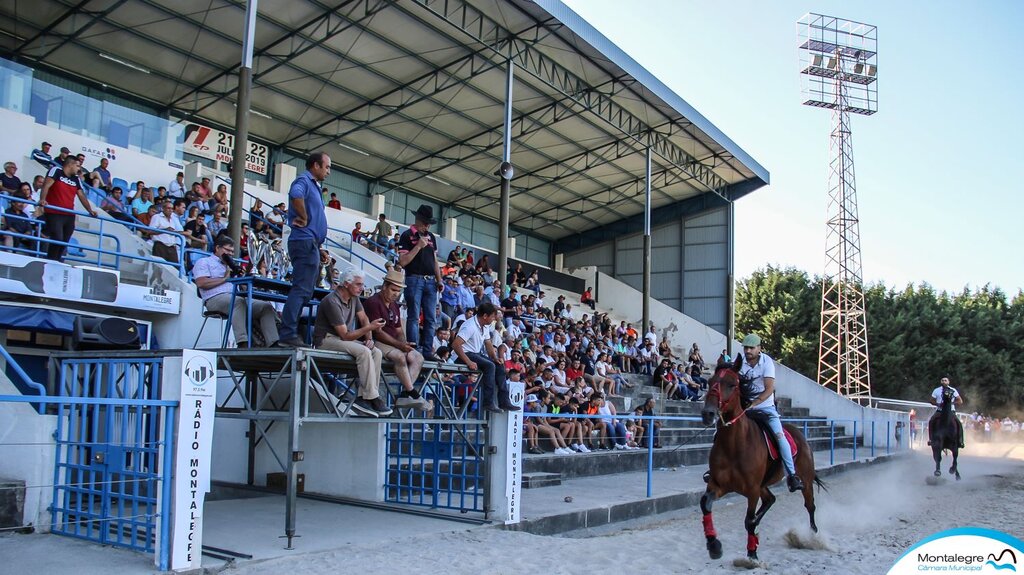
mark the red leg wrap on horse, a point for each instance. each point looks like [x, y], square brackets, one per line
[709, 527]
[752, 542]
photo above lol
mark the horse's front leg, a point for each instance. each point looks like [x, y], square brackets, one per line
[937, 456]
[714, 545]
[953, 469]
[767, 500]
[750, 522]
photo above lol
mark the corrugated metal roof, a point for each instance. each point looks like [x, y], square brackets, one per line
[418, 86]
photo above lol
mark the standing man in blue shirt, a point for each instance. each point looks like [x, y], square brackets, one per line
[308, 223]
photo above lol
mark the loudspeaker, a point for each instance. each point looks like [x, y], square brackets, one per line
[93, 333]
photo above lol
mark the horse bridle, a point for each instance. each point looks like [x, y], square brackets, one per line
[716, 388]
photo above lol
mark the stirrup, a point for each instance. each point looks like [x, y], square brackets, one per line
[795, 483]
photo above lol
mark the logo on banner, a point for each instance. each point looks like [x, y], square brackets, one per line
[108, 153]
[199, 371]
[963, 550]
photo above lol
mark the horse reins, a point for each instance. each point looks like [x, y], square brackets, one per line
[723, 402]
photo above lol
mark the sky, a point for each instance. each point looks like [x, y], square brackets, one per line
[937, 179]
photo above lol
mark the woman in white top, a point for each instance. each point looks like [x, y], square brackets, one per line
[558, 370]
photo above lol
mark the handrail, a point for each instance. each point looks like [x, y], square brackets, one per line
[362, 261]
[21, 373]
[99, 250]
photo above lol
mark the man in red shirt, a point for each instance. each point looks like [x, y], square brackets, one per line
[392, 343]
[334, 203]
[59, 190]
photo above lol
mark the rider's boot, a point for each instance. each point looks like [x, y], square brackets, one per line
[795, 483]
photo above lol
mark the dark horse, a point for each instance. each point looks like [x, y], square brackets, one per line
[944, 433]
[740, 462]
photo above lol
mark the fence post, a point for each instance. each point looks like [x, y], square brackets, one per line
[832, 442]
[650, 454]
[856, 440]
[167, 463]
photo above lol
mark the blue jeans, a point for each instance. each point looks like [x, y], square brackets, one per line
[421, 295]
[305, 256]
[492, 378]
[776, 424]
[616, 431]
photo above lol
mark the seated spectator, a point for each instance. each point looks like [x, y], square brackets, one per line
[219, 200]
[696, 357]
[391, 341]
[647, 410]
[37, 188]
[609, 425]
[141, 204]
[101, 171]
[277, 215]
[551, 427]
[218, 225]
[665, 379]
[566, 312]
[145, 219]
[42, 156]
[342, 325]
[205, 190]
[334, 203]
[588, 299]
[16, 221]
[8, 181]
[697, 375]
[358, 235]
[533, 282]
[196, 231]
[648, 357]
[59, 160]
[113, 205]
[165, 246]
[665, 350]
[518, 276]
[256, 212]
[689, 390]
[176, 189]
[471, 345]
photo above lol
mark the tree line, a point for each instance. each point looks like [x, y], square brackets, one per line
[915, 336]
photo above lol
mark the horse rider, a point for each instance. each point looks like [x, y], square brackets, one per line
[948, 391]
[757, 376]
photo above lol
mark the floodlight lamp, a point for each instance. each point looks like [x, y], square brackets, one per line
[872, 70]
[816, 62]
[858, 68]
[833, 63]
[505, 171]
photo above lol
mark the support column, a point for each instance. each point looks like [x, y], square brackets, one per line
[647, 245]
[505, 172]
[730, 289]
[242, 124]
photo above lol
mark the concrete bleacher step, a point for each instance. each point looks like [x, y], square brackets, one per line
[541, 479]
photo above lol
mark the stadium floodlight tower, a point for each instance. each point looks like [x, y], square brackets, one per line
[838, 67]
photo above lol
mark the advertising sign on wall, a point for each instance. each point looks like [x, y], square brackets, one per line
[217, 145]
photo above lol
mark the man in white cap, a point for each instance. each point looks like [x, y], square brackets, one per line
[391, 341]
[758, 373]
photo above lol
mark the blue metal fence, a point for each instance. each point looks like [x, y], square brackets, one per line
[111, 461]
[440, 465]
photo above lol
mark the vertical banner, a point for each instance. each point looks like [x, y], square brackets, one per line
[194, 442]
[514, 454]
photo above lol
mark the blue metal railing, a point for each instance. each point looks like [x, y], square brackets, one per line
[649, 439]
[116, 254]
[27, 383]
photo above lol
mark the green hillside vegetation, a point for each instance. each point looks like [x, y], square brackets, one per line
[915, 336]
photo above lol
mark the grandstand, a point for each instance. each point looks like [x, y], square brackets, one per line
[407, 98]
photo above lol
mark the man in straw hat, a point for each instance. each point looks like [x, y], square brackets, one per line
[392, 343]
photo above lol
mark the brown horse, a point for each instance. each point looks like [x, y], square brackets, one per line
[740, 462]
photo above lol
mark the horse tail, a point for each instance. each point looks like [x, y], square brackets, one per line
[821, 484]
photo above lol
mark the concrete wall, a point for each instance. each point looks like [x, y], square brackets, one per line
[689, 265]
[27, 452]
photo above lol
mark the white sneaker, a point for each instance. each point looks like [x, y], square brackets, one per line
[632, 447]
[619, 447]
[575, 447]
[563, 451]
[583, 449]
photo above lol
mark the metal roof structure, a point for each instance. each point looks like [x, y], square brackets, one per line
[411, 93]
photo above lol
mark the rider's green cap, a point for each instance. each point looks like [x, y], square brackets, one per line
[751, 340]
